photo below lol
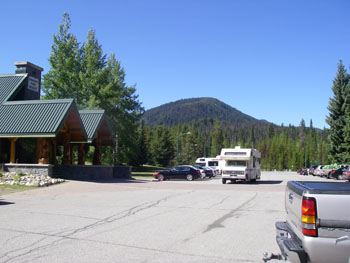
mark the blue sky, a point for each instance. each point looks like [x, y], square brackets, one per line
[271, 59]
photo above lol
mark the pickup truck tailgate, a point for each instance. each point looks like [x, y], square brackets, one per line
[332, 224]
[333, 218]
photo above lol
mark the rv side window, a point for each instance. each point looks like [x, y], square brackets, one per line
[213, 163]
[236, 163]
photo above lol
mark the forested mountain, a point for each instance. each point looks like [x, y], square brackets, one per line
[191, 110]
[182, 131]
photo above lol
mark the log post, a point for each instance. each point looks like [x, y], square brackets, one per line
[54, 151]
[66, 149]
[71, 151]
[44, 151]
[13, 149]
[97, 153]
[81, 154]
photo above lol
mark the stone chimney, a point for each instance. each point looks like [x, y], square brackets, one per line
[32, 87]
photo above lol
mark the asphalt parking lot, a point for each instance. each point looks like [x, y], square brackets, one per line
[144, 221]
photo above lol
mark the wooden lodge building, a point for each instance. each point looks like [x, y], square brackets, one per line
[32, 130]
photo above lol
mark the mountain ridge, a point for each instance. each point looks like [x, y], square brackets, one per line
[189, 110]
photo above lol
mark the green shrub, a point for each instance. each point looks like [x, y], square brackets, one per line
[20, 174]
[16, 178]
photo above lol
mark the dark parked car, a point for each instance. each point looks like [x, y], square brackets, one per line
[187, 172]
[208, 171]
[337, 173]
[302, 171]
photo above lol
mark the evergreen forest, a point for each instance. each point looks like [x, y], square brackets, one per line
[281, 147]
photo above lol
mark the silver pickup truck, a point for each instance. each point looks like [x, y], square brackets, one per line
[317, 228]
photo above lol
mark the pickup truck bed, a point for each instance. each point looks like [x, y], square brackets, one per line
[317, 228]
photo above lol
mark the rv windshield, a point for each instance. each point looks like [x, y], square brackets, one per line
[236, 163]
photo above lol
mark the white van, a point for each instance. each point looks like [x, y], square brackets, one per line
[211, 162]
[240, 164]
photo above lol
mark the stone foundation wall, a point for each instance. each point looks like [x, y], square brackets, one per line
[123, 172]
[74, 172]
[92, 172]
[34, 169]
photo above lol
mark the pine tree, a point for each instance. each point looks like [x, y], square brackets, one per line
[302, 134]
[217, 139]
[192, 148]
[162, 147]
[346, 128]
[123, 108]
[93, 73]
[271, 131]
[62, 80]
[336, 116]
[142, 145]
[95, 82]
[252, 137]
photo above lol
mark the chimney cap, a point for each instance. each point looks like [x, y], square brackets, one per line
[26, 64]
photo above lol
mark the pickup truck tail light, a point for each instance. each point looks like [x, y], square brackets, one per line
[308, 216]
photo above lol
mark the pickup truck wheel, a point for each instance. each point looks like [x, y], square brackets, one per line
[189, 177]
[224, 181]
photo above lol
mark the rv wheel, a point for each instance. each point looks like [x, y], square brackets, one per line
[224, 181]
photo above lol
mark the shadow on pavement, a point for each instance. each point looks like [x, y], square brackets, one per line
[259, 182]
[119, 181]
[5, 203]
[268, 182]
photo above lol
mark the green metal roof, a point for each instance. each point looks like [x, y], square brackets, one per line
[34, 117]
[97, 126]
[9, 84]
[91, 121]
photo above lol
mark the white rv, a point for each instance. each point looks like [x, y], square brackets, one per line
[240, 164]
[211, 162]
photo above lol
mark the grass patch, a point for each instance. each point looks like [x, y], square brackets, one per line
[8, 189]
